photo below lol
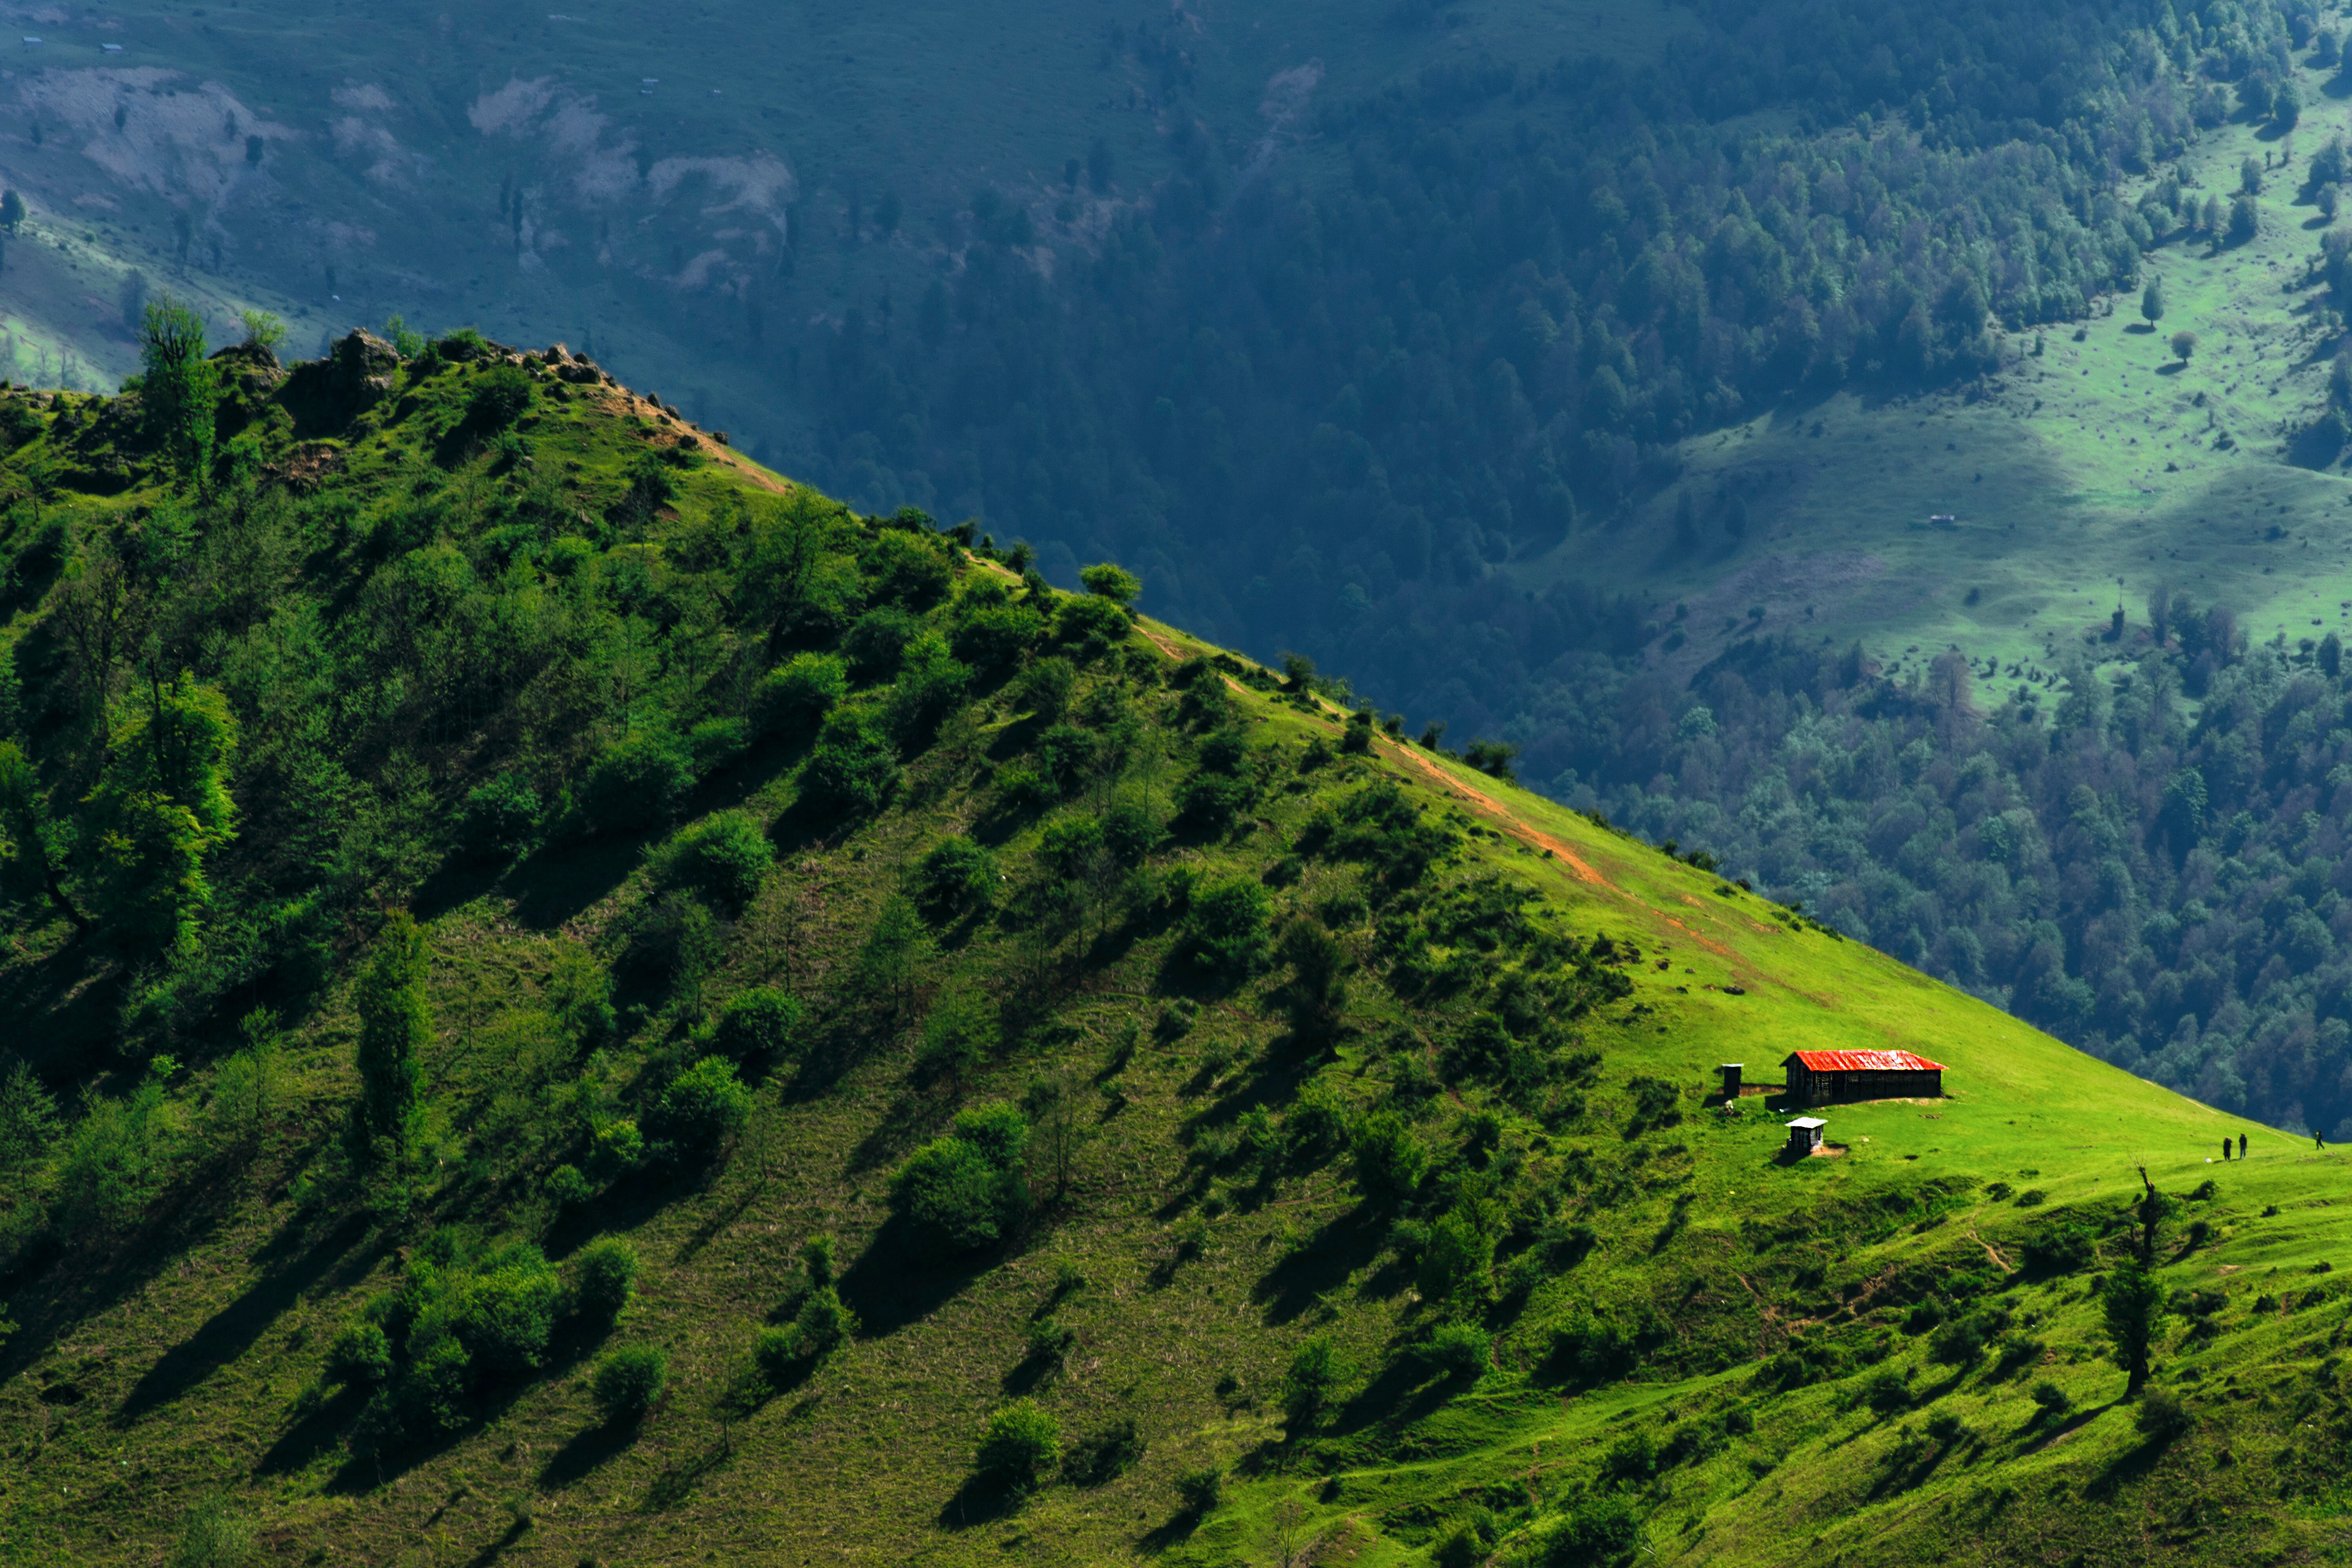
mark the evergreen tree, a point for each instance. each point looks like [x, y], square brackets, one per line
[395, 1023]
[2131, 1306]
[2151, 302]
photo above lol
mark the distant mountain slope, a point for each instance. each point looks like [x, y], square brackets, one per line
[495, 877]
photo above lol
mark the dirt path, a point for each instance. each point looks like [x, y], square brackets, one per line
[1494, 808]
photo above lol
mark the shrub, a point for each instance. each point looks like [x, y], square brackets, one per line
[2055, 1249]
[993, 637]
[567, 1187]
[1025, 790]
[853, 771]
[966, 1189]
[1225, 927]
[1885, 1392]
[630, 1382]
[956, 879]
[802, 690]
[639, 780]
[1051, 1341]
[1131, 834]
[2052, 1400]
[959, 1036]
[777, 1354]
[1389, 1159]
[500, 397]
[1020, 1447]
[1603, 1531]
[1209, 803]
[715, 742]
[760, 1022]
[702, 1107]
[1111, 582]
[1091, 623]
[1316, 1371]
[722, 856]
[908, 568]
[1045, 688]
[362, 1353]
[617, 1148]
[1201, 1490]
[1456, 1350]
[605, 1279]
[875, 644]
[1587, 1349]
[504, 1313]
[823, 1324]
[499, 817]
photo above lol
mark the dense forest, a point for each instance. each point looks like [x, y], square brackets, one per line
[2165, 891]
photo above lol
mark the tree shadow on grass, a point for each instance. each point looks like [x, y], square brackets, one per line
[2173, 367]
[556, 884]
[587, 1451]
[1343, 1246]
[902, 1278]
[231, 1331]
[314, 1434]
[2129, 1466]
[982, 1500]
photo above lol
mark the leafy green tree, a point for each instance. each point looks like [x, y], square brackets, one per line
[1316, 1371]
[629, 1383]
[28, 1122]
[262, 330]
[1315, 999]
[702, 1107]
[2184, 344]
[395, 1026]
[11, 211]
[1111, 582]
[760, 1022]
[113, 1154]
[802, 692]
[2131, 1312]
[250, 1088]
[853, 771]
[31, 862]
[723, 856]
[605, 1279]
[2245, 220]
[1389, 1159]
[161, 810]
[957, 878]
[178, 384]
[2151, 302]
[968, 1189]
[1224, 931]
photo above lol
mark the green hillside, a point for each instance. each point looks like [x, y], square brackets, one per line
[495, 876]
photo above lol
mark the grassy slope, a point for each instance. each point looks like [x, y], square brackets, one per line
[142, 1377]
[2060, 468]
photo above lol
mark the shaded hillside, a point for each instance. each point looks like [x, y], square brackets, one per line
[576, 1000]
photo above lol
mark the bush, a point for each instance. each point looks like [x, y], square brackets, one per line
[605, 1279]
[722, 856]
[853, 771]
[1201, 1490]
[1051, 1341]
[617, 1148]
[362, 1353]
[802, 690]
[823, 1324]
[1111, 582]
[1020, 1447]
[1885, 1392]
[630, 1382]
[1090, 623]
[908, 568]
[2052, 1400]
[1225, 927]
[1043, 689]
[503, 397]
[876, 643]
[759, 1023]
[1106, 1455]
[1316, 1371]
[639, 780]
[567, 1187]
[1024, 790]
[1209, 803]
[960, 1034]
[1603, 1531]
[2055, 1249]
[1389, 1159]
[777, 1354]
[702, 1107]
[1586, 1350]
[1456, 1350]
[968, 1189]
[715, 742]
[956, 879]
[504, 1313]
[499, 817]
[991, 638]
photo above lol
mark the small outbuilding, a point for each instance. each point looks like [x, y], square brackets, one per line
[1805, 1136]
[1825, 1077]
[1731, 1072]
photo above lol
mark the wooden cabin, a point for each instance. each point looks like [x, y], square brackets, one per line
[1805, 1136]
[1826, 1077]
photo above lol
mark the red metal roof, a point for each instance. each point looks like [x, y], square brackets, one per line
[1865, 1061]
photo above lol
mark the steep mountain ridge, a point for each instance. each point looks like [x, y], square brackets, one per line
[1360, 1193]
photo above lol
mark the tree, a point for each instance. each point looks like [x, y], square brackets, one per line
[2329, 196]
[1058, 1125]
[262, 330]
[11, 211]
[161, 808]
[1317, 997]
[2245, 220]
[2132, 1310]
[2184, 344]
[179, 385]
[1113, 583]
[31, 864]
[2151, 302]
[1098, 167]
[2250, 178]
[396, 1024]
[2287, 107]
[630, 1382]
